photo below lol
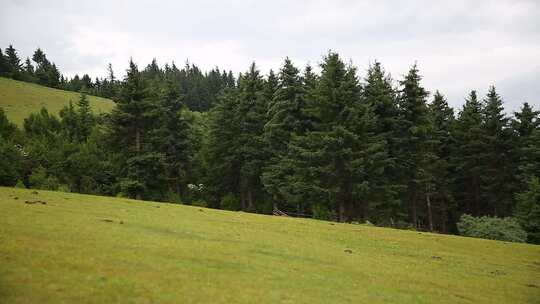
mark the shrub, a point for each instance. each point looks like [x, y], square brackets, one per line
[321, 212]
[173, 197]
[39, 179]
[230, 202]
[20, 184]
[493, 228]
[528, 210]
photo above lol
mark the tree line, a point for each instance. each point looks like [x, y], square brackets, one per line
[200, 89]
[329, 145]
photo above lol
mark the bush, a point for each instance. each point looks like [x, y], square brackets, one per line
[528, 210]
[230, 202]
[321, 212]
[493, 228]
[20, 184]
[39, 179]
[11, 163]
[173, 197]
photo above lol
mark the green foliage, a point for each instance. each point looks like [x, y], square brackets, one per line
[11, 163]
[528, 210]
[321, 212]
[230, 202]
[493, 228]
[41, 179]
[20, 185]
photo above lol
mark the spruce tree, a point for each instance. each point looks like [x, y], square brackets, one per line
[3, 65]
[85, 117]
[173, 137]
[252, 107]
[332, 164]
[285, 119]
[223, 150]
[498, 182]
[526, 126]
[467, 159]
[130, 128]
[28, 71]
[442, 123]
[414, 128]
[13, 63]
[380, 95]
[42, 67]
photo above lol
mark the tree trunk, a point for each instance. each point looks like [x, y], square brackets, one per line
[341, 211]
[430, 215]
[414, 214]
[250, 199]
[242, 200]
[476, 186]
[138, 149]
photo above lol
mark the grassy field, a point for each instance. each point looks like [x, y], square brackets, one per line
[69, 248]
[19, 99]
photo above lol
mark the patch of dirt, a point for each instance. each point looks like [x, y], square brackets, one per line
[532, 285]
[111, 221]
[497, 273]
[436, 257]
[35, 202]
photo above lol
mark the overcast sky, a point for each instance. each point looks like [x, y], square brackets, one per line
[458, 45]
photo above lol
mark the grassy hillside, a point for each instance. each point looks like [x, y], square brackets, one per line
[90, 249]
[19, 99]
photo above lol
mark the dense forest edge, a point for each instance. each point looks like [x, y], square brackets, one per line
[333, 145]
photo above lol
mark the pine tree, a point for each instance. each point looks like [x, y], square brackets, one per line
[285, 119]
[53, 75]
[414, 128]
[29, 71]
[131, 124]
[270, 87]
[332, 164]
[85, 117]
[467, 159]
[442, 123]
[252, 107]
[223, 153]
[4, 69]
[42, 67]
[379, 94]
[70, 122]
[173, 137]
[526, 126]
[498, 183]
[13, 63]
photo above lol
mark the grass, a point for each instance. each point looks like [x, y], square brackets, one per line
[19, 99]
[91, 249]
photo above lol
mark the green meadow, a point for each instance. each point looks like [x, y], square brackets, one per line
[19, 99]
[69, 248]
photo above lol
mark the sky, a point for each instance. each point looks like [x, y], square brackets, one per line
[458, 45]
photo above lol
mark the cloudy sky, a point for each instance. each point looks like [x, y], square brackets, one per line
[458, 45]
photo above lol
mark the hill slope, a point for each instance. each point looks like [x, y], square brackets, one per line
[19, 99]
[91, 249]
